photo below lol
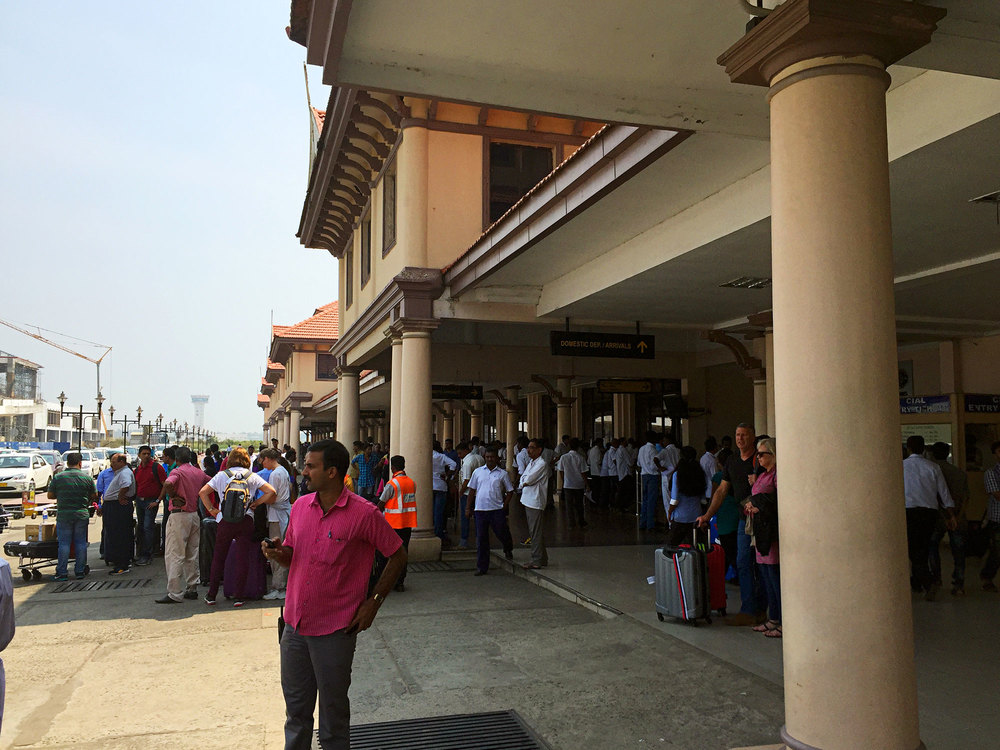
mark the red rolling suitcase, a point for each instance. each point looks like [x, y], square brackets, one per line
[715, 562]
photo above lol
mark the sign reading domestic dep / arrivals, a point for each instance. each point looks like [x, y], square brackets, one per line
[617, 345]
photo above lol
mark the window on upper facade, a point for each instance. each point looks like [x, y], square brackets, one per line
[366, 251]
[53, 419]
[326, 366]
[514, 170]
[348, 278]
[389, 210]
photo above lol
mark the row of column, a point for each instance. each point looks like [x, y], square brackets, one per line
[285, 429]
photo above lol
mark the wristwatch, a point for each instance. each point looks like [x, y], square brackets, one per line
[378, 598]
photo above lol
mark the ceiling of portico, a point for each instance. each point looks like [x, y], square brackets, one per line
[630, 61]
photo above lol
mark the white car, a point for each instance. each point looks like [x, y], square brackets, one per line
[20, 472]
[91, 464]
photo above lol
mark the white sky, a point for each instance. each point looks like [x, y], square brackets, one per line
[152, 173]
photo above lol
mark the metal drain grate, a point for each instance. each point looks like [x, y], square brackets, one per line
[78, 586]
[434, 566]
[498, 730]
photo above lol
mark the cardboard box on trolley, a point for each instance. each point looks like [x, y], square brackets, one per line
[40, 532]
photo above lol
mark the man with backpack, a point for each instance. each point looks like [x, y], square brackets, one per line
[149, 478]
[235, 489]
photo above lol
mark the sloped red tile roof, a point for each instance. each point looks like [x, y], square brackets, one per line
[319, 116]
[264, 381]
[324, 324]
[274, 365]
[263, 400]
[278, 330]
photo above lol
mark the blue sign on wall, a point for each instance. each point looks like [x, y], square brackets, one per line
[982, 403]
[925, 405]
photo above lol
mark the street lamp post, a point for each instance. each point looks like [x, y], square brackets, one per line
[80, 415]
[125, 422]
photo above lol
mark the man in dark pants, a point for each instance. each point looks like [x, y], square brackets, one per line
[490, 491]
[737, 473]
[398, 503]
[337, 532]
[926, 496]
[149, 478]
[117, 513]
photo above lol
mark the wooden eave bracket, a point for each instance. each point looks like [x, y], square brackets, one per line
[751, 366]
[557, 398]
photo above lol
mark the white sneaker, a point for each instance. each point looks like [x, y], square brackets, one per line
[274, 594]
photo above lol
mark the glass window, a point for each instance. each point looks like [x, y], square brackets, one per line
[389, 210]
[366, 251]
[348, 278]
[53, 419]
[514, 170]
[326, 367]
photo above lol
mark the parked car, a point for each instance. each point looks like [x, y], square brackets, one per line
[103, 456]
[54, 459]
[91, 464]
[20, 472]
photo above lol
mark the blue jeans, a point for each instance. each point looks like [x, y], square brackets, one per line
[771, 576]
[752, 597]
[463, 522]
[71, 531]
[440, 506]
[651, 498]
[145, 518]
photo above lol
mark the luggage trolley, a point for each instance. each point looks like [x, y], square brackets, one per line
[33, 556]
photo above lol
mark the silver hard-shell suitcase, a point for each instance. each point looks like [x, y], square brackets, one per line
[682, 584]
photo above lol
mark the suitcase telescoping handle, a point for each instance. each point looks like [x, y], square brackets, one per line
[707, 546]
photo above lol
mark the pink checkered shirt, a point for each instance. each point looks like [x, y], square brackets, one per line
[332, 560]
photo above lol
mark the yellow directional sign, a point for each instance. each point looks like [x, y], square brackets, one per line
[589, 344]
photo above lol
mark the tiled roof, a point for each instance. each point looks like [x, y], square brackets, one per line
[275, 365]
[320, 116]
[263, 400]
[263, 381]
[324, 324]
[278, 330]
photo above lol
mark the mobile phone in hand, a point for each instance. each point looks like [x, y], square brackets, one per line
[269, 543]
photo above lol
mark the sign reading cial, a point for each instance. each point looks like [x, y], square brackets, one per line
[618, 345]
[924, 405]
[979, 403]
[372, 414]
[465, 392]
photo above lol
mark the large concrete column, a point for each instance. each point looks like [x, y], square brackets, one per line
[476, 420]
[501, 421]
[395, 390]
[576, 413]
[514, 401]
[760, 423]
[415, 443]
[287, 430]
[848, 636]
[412, 194]
[534, 407]
[348, 406]
[448, 422]
[294, 419]
[564, 409]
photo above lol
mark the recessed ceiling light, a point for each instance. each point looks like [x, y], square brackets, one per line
[748, 282]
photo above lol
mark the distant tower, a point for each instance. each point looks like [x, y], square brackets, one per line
[199, 410]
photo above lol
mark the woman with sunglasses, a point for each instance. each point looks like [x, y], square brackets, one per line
[763, 520]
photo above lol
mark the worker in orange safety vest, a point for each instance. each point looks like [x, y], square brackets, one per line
[398, 502]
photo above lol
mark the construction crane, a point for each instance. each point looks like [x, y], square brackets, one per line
[97, 362]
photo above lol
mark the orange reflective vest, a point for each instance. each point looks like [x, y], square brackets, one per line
[401, 508]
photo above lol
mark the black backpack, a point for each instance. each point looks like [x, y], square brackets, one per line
[236, 498]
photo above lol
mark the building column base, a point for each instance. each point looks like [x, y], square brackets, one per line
[790, 743]
[423, 548]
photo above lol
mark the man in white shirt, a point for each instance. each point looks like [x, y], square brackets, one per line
[442, 468]
[609, 473]
[469, 463]
[650, 474]
[549, 456]
[574, 470]
[624, 464]
[595, 457]
[521, 457]
[489, 493]
[278, 513]
[709, 463]
[666, 461]
[926, 492]
[534, 485]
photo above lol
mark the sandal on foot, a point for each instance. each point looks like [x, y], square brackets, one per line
[765, 626]
[773, 633]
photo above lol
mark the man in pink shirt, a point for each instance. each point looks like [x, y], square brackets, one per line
[183, 532]
[329, 548]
